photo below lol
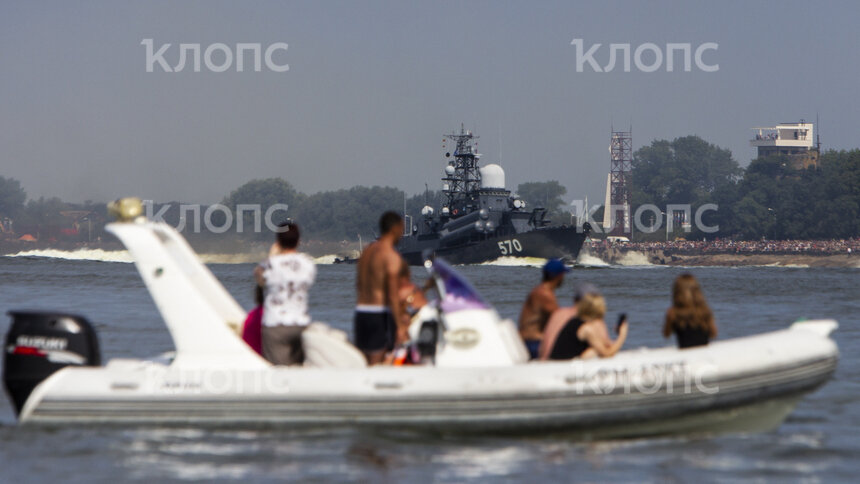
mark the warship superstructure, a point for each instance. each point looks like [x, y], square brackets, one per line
[480, 220]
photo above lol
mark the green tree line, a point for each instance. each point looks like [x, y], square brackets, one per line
[45, 218]
[335, 215]
[769, 199]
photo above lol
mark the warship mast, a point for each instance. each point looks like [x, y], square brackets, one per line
[462, 178]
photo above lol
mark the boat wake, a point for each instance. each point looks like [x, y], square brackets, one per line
[634, 259]
[585, 260]
[788, 266]
[508, 261]
[588, 260]
[99, 255]
[231, 258]
[325, 259]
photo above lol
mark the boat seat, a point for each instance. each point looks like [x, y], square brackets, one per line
[327, 347]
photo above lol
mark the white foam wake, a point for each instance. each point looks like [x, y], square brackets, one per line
[230, 258]
[510, 261]
[787, 266]
[634, 258]
[325, 259]
[588, 260]
[100, 255]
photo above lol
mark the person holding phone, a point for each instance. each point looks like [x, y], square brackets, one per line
[585, 335]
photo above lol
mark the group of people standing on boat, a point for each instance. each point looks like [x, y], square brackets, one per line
[387, 299]
[551, 332]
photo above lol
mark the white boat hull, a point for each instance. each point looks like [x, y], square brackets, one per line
[640, 392]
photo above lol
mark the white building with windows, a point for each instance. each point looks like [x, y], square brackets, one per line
[795, 140]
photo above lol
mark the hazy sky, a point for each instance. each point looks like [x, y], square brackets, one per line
[372, 87]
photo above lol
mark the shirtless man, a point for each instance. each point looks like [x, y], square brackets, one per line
[380, 321]
[540, 304]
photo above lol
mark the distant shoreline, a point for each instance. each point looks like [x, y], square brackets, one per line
[762, 259]
[208, 252]
[251, 250]
[724, 259]
[617, 255]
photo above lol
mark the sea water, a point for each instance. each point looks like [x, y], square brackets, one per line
[818, 443]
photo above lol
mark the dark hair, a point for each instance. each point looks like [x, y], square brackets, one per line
[388, 221]
[288, 235]
[259, 297]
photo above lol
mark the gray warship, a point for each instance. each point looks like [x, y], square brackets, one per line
[480, 220]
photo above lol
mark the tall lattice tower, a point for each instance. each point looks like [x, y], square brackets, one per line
[621, 181]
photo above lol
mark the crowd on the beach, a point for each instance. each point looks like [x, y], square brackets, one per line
[727, 246]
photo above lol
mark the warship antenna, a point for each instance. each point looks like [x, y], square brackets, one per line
[500, 143]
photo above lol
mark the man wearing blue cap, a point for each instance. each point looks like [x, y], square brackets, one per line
[540, 305]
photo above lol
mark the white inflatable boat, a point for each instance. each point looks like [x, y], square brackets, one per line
[475, 376]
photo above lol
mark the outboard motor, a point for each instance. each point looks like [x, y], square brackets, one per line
[41, 343]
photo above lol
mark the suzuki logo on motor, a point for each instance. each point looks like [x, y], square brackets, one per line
[510, 246]
[463, 338]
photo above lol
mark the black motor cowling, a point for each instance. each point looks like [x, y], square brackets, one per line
[40, 343]
[428, 336]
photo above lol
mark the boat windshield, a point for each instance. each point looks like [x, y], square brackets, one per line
[459, 294]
